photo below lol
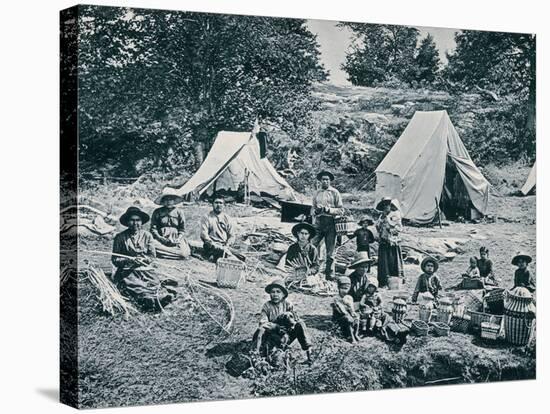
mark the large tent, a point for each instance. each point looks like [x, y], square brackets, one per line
[531, 182]
[414, 170]
[233, 155]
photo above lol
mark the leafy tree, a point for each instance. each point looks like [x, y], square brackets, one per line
[426, 61]
[379, 52]
[154, 84]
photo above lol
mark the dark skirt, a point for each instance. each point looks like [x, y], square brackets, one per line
[144, 288]
[390, 262]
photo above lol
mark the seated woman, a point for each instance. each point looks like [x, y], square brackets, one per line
[168, 228]
[303, 254]
[133, 277]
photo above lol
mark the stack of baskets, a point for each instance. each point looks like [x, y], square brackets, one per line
[229, 272]
[477, 318]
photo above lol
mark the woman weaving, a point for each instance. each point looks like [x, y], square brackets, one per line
[168, 228]
[133, 276]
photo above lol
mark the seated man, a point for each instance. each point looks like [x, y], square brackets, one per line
[303, 254]
[217, 232]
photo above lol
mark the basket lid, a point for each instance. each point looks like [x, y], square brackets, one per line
[520, 292]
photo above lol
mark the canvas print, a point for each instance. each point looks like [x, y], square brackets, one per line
[256, 206]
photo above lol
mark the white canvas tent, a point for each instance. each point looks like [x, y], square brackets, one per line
[232, 156]
[531, 182]
[414, 169]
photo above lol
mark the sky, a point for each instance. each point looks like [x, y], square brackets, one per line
[334, 42]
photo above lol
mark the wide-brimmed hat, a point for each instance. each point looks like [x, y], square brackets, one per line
[320, 174]
[343, 281]
[279, 283]
[133, 211]
[483, 249]
[372, 281]
[161, 198]
[382, 203]
[360, 258]
[521, 255]
[367, 219]
[428, 260]
[394, 203]
[300, 226]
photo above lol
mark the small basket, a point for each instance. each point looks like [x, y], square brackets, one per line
[471, 283]
[441, 329]
[459, 324]
[477, 318]
[425, 314]
[489, 330]
[420, 328]
[344, 225]
[229, 272]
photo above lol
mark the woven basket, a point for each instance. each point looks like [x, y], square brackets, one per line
[471, 283]
[441, 329]
[489, 330]
[420, 328]
[477, 318]
[229, 272]
[472, 303]
[344, 225]
[424, 314]
[459, 324]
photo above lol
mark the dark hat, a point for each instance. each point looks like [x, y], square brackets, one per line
[367, 219]
[428, 260]
[382, 203]
[521, 255]
[360, 258]
[160, 199]
[277, 283]
[343, 281]
[327, 173]
[306, 226]
[134, 211]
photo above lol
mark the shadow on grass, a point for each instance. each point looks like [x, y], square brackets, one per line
[320, 322]
[228, 348]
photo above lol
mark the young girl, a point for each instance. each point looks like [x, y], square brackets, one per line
[472, 271]
[372, 315]
[522, 276]
[428, 281]
[270, 324]
[485, 266]
[471, 278]
[343, 311]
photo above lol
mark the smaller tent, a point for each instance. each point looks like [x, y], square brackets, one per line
[531, 183]
[416, 169]
[231, 158]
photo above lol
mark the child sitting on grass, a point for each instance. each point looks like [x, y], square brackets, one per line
[343, 311]
[428, 281]
[522, 276]
[372, 315]
[279, 325]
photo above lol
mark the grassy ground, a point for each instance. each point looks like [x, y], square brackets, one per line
[180, 355]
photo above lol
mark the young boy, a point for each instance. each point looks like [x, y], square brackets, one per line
[372, 315]
[485, 266]
[428, 281]
[363, 235]
[522, 276]
[343, 312]
[273, 323]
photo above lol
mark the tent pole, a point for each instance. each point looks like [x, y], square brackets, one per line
[438, 213]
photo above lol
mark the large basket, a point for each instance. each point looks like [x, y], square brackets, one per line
[490, 330]
[459, 324]
[494, 300]
[420, 328]
[477, 318]
[229, 272]
[344, 225]
[441, 329]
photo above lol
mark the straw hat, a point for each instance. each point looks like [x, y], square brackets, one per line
[134, 211]
[343, 281]
[296, 229]
[325, 173]
[160, 199]
[521, 255]
[360, 258]
[429, 260]
[382, 203]
[367, 219]
[278, 283]
[395, 204]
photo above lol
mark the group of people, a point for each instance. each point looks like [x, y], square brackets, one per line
[135, 248]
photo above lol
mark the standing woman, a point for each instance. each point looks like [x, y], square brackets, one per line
[168, 228]
[389, 225]
[133, 276]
